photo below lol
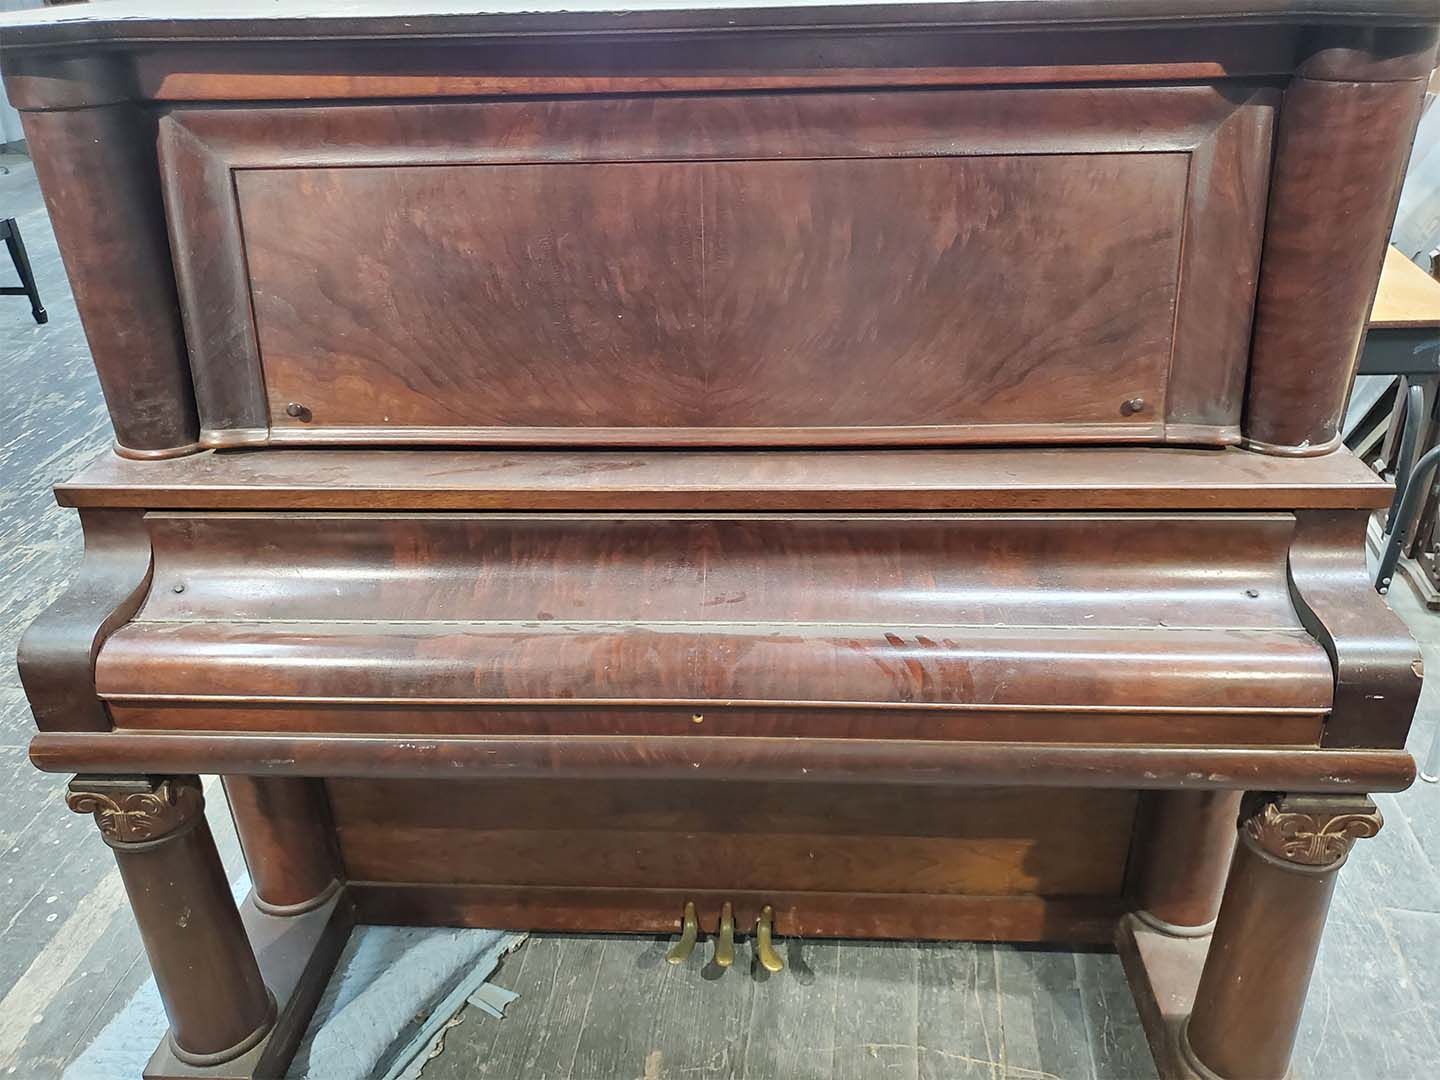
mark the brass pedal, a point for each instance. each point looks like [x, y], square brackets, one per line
[689, 932]
[725, 943]
[764, 947]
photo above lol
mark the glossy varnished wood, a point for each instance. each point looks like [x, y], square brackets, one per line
[1377, 666]
[813, 914]
[167, 859]
[727, 619]
[1004, 693]
[746, 837]
[57, 654]
[681, 278]
[1183, 847]
[102, 189]
[996, 764]
[1251, 991]
[719, 300]
[1340, 156]
[983, 479]
[288, 841]
[296, 955]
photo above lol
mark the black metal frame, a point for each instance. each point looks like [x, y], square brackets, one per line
[10, 233]
[1410, 487]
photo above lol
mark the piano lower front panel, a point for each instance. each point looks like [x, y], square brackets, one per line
[834, 860]
[812, 630]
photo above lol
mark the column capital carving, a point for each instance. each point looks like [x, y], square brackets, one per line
[1308, 830]
[137, 810]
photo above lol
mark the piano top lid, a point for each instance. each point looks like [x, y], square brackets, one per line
[200, 20]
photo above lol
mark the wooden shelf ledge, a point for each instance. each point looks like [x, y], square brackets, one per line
[1071, 478]
[607, 757]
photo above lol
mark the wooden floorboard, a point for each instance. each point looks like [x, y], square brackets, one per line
[608, 1008]
[1112, 1026]
[794, 1018]
[957, 1033]
[617, 1035]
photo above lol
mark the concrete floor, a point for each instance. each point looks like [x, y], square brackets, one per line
[605, 1008]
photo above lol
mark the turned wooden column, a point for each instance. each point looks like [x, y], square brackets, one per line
[95, 157]
[1343, 140]
[1182, 856]
[1252, 989]
[217, 1002]
[286, 835]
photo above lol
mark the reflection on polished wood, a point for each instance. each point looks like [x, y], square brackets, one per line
[824, 471]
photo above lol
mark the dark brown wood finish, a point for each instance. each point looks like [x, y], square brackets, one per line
[905, 916]
[1377, 666]
[1340, 156]
[908, 688]
[1248, 1003]
[1115, 725]
[449, 19]
[622, 758]
[713, 615]
[296, 955]
[288, 840]
[742, 836]
[801, 58]
[1182, 854]
[57, 653]
[1088, 920]
[717, 481]
[189, 922]
[679, 278]
[99, 176]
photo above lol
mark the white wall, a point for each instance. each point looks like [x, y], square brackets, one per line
[9, 118]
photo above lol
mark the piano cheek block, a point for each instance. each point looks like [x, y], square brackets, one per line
[683, 483]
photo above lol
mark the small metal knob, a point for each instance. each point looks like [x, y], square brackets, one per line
[298, 411]
[1132, 406]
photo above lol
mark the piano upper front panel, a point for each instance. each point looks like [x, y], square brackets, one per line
[1022, 265]
[899, 294]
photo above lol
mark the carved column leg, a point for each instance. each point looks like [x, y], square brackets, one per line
[1182, 857]
[203, 963]
[289, 845]
[1252, 988]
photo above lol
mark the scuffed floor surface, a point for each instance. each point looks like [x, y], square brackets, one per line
[609, 1008]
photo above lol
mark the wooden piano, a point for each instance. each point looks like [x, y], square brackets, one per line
[854, 469]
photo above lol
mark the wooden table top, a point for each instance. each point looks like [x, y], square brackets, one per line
[1408, 297]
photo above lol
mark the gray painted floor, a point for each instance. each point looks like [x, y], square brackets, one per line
[608, 1008]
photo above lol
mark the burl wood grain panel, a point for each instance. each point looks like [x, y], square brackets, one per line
[897, 298]
[743, 836]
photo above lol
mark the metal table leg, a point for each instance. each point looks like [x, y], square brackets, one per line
[1430, 767]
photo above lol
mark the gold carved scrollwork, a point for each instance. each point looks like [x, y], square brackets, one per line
[134, 811]
[1310, 831]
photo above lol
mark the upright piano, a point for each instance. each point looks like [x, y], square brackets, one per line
[735, 470]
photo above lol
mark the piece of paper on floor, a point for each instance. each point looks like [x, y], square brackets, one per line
[493, 999]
